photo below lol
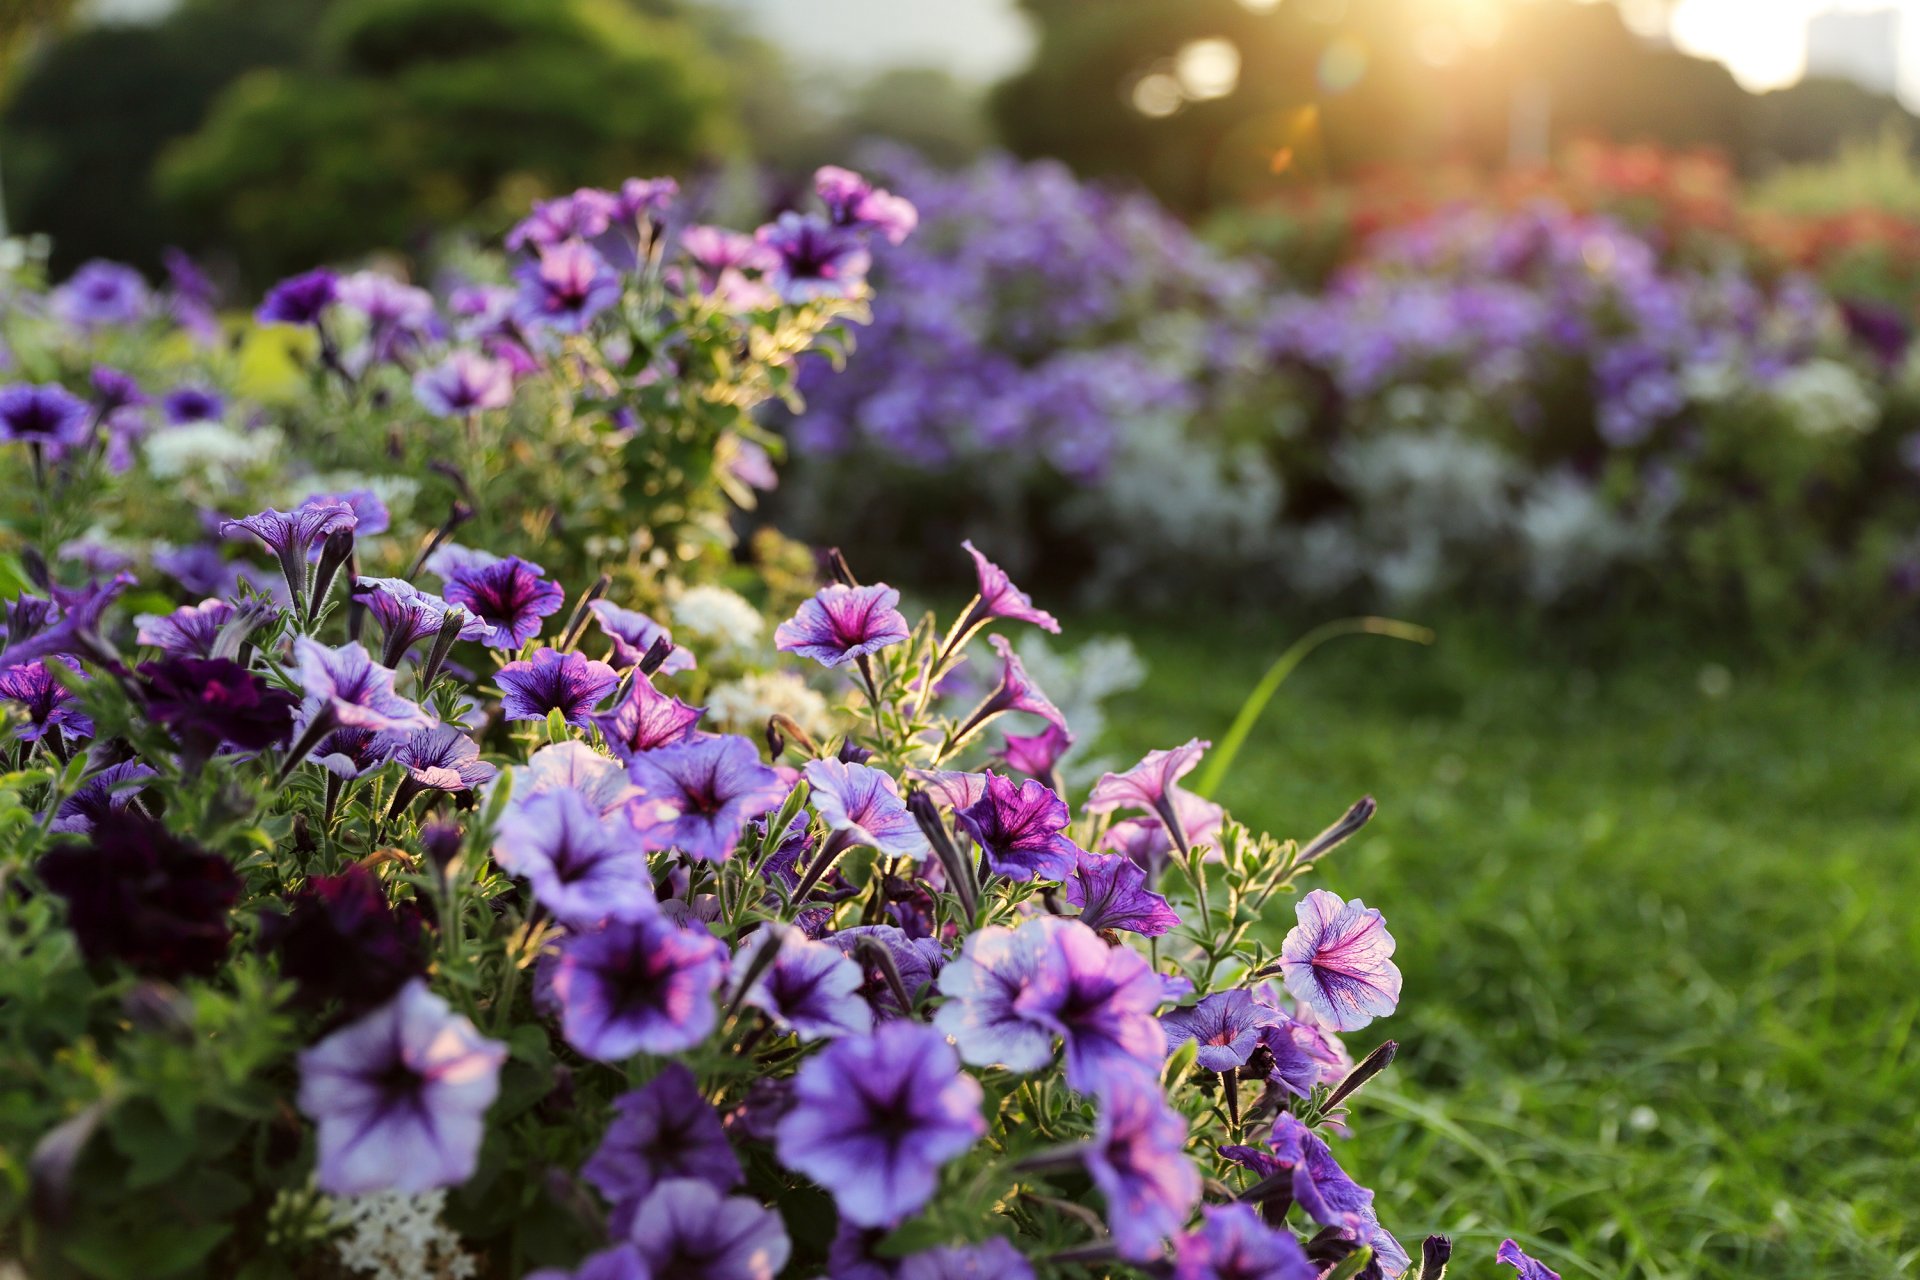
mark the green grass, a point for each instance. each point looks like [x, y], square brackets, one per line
[1661, 938]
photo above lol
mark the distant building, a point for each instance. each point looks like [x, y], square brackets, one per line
[1861, 47]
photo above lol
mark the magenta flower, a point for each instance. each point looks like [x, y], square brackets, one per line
[662, 1130]
[639, 196]
[1149, 784]
[408, 615]
[352, 691]
[465, 382]
[816, 259]
[1528, 1268]
[843, 623]
[1139, 1161]
[187, 632]
[1148, 842]
[852, 201]
[863, 805]
[109, 791]
[1234, 1244]
[1015, 692]
[210, 702]
[632, 634]
[49, 705]
[1112, 893]
[1037, 755]
[400, 1097]
[508, 594]
[582, 867]
[638, 984]
[645, 720]
[565, 288]
[1020, 828]
[47, 415]
[1337, 961]
[698, 796]
[300, 299]
[584, 214]
[569, 683]
[685, 1229]
[809, 988]
[1226, 1025]
[997, 597]
[875, 1117]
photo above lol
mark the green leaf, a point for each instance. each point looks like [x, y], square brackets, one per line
[155, 1251]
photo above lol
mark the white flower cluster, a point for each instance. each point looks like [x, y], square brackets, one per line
[211, 451]
[1827, 398]
[397, 1237]
[743, 706]
[729, 625]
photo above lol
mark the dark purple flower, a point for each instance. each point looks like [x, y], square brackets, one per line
[465, 382]
[1138, 1159]
[370, 512]
[187, 632]
[1112, 893]
[1105, 1013]
[342, 940]
[37, 627]
[200, 568]
[582, 215]
[569, 683]
[697, 796]
[645, 720]
[346, 685]
[917, 960]
[1226, 1025]
[114, 390]
[582, 866]
[101, 293]
[999, 598]
[509, 595]
[292, 535]
[109, 791]
[1337, 961]
[1020, 828]
[565, 288]
[664, 1129]
[300, 299]
[1528, 1268]
[687, 1230]
[48, 703]
[354, 753]
[185, 405]
[47, 414]
[1234, 1244]
[442, 758]
[638, 984]
[632, 634]
[874, 1118]
[1037, 755]
[140, 894]
[863, 805]
[843, 623]
[809, 987]
[400, 1097]
[1320, 1186]
[408, 615]
[210, 702]
[816, 258]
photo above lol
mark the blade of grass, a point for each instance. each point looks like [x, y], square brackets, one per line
[1251, 710]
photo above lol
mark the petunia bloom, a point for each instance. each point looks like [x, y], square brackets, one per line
[441, 758]
[508, 595]
[1226, 1025]
[300, 299]
[582, 866]
[1529, 1268]
[109, 791]
[815, 258]
[809, 987]
[188, 632]
[1139, 1162]
[1015, 692]
[291, 535]
[875, 1117]
[1020, 828]
[407, 615]
[997, 597]
[638, 984]
[854, 202]
[580, 215]
[1337, 961]
[698, 796]
[399, 1098]
[996, 989]
[842, 623]
[101, 293]
[565, 287]
[137, 893]
[688, 1231]
[465, 382]
[1111, 892]
[47, 415]
[570, 683]
[863, 804]
[917, 961]
[1150, 785]
[185, 406]
[644, 720]
[210, 702]
[632, 634]
[49, 705]
[342, 940]
[1038, 755]
[664, 1129]
[1234, 1244]
[347, 687]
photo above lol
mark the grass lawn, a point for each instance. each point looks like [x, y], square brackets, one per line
[1660, 925]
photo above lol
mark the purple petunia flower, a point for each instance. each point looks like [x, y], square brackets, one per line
[1112, 893]
[1037, 755]
[698, 796]
[956, 788]
[809, 987]
[569, 683]
[583, 868]
[1020, 829]
[465, 382]
[1529, 1268]
[863, 805]
[1015, 692]
[996, 1259]
[918, 961]
[664, 1129]
[644, 195]
[565, 287]
[300, 299]
[1139, 1161]
[842, 623]
[137, 893]
[1226, 1025]
[638, 984]
[187, 632]
[207, 703]
[292, 535]
[101, 293]
[1337, 961]
[875, 1117]
[354, 753]
[47, 415]
[687, 1230]
[620, 1262]
[1150, 785]
[508, 594]
[408, 615]
[36, 627]
[997, 597]
[400, 1097]
[1148, 842]
[370, 513]
[352, 691]
[109, 791]
[187, 405]
[854, 202]
[1234, 1244]
[573, 766]
[632, 634]
[581, 215]
[645, 720]
[1319, 1185]
[342, 940]
[816, 259]
[441, 758]
[49, 705]
[1105, 1013]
